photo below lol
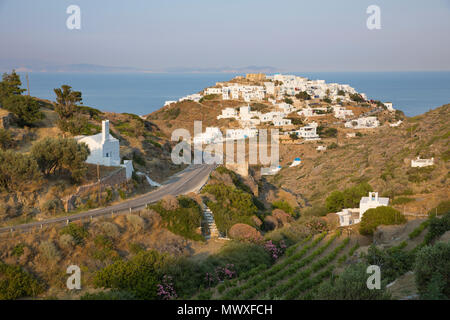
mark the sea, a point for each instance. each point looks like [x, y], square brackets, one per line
[142, 93]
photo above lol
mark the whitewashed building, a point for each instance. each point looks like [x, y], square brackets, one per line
[104, 147]
[238, 134]
[419, 163]
[105, 150]
[228, 113]
[341, 112]
[308, 132]
[370, 202]
[350, 216]
[211, 135]
[363, 123]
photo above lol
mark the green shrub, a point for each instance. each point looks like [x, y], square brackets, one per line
[437, 227]
[6, 141]
[17, 251]
[17, 171]
[16, 283]
[393, 262]
[184, 220]
[283, 205]
[49, 251]
[139, 276]
[432, 271]
[442, 208]
[78, 233]
[383, 215]
[350, 285]
[418, 230]
[232, 206]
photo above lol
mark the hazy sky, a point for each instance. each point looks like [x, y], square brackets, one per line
[294, 35]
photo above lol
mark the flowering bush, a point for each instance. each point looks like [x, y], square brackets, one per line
[274, 250]
[220, 274]
[165, 290]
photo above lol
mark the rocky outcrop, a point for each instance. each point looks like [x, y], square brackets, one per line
[241, 231]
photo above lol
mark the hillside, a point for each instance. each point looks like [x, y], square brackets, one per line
[381, 157]
[140, 141]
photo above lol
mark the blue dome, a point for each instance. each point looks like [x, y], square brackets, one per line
[297, 159]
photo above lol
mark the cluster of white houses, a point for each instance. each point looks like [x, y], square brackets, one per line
[276, 87]
[247, 117]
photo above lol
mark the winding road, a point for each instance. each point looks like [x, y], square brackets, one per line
[190, 179]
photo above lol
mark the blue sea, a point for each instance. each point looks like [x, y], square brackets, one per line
[412, 92]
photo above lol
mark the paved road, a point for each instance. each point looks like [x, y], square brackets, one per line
[189, 180]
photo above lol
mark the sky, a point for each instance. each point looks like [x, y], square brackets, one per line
[294, 35]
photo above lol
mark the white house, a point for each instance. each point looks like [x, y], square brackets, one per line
[270, 171]
[238, 134]
[213, 91]
[370, 202]
[296, 162]
[396, 124]
[389, 106]
[321, 148]
[350, 216]
[169, 102]
[105, 150]
[104, 147]
[363, 123]
[421, 162]
[308, 132]
[228, 113]
[341, 112]
[279, 122]
[211, 135]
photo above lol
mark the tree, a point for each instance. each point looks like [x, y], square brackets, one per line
[10, 85]
[356, 97]
[432, 271]
[341, 93]
[303, 95]
[16, 283]
[26, 109]
[383, 215]
[17, 171]
[66, 100]
[55, 154]
[349, 198]
[288, 100]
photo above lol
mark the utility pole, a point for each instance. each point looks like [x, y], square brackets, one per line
[99, 185]
[28, 84]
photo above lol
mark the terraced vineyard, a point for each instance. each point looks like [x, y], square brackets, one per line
[303, 267]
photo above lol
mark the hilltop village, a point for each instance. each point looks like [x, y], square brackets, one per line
[300, 108]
